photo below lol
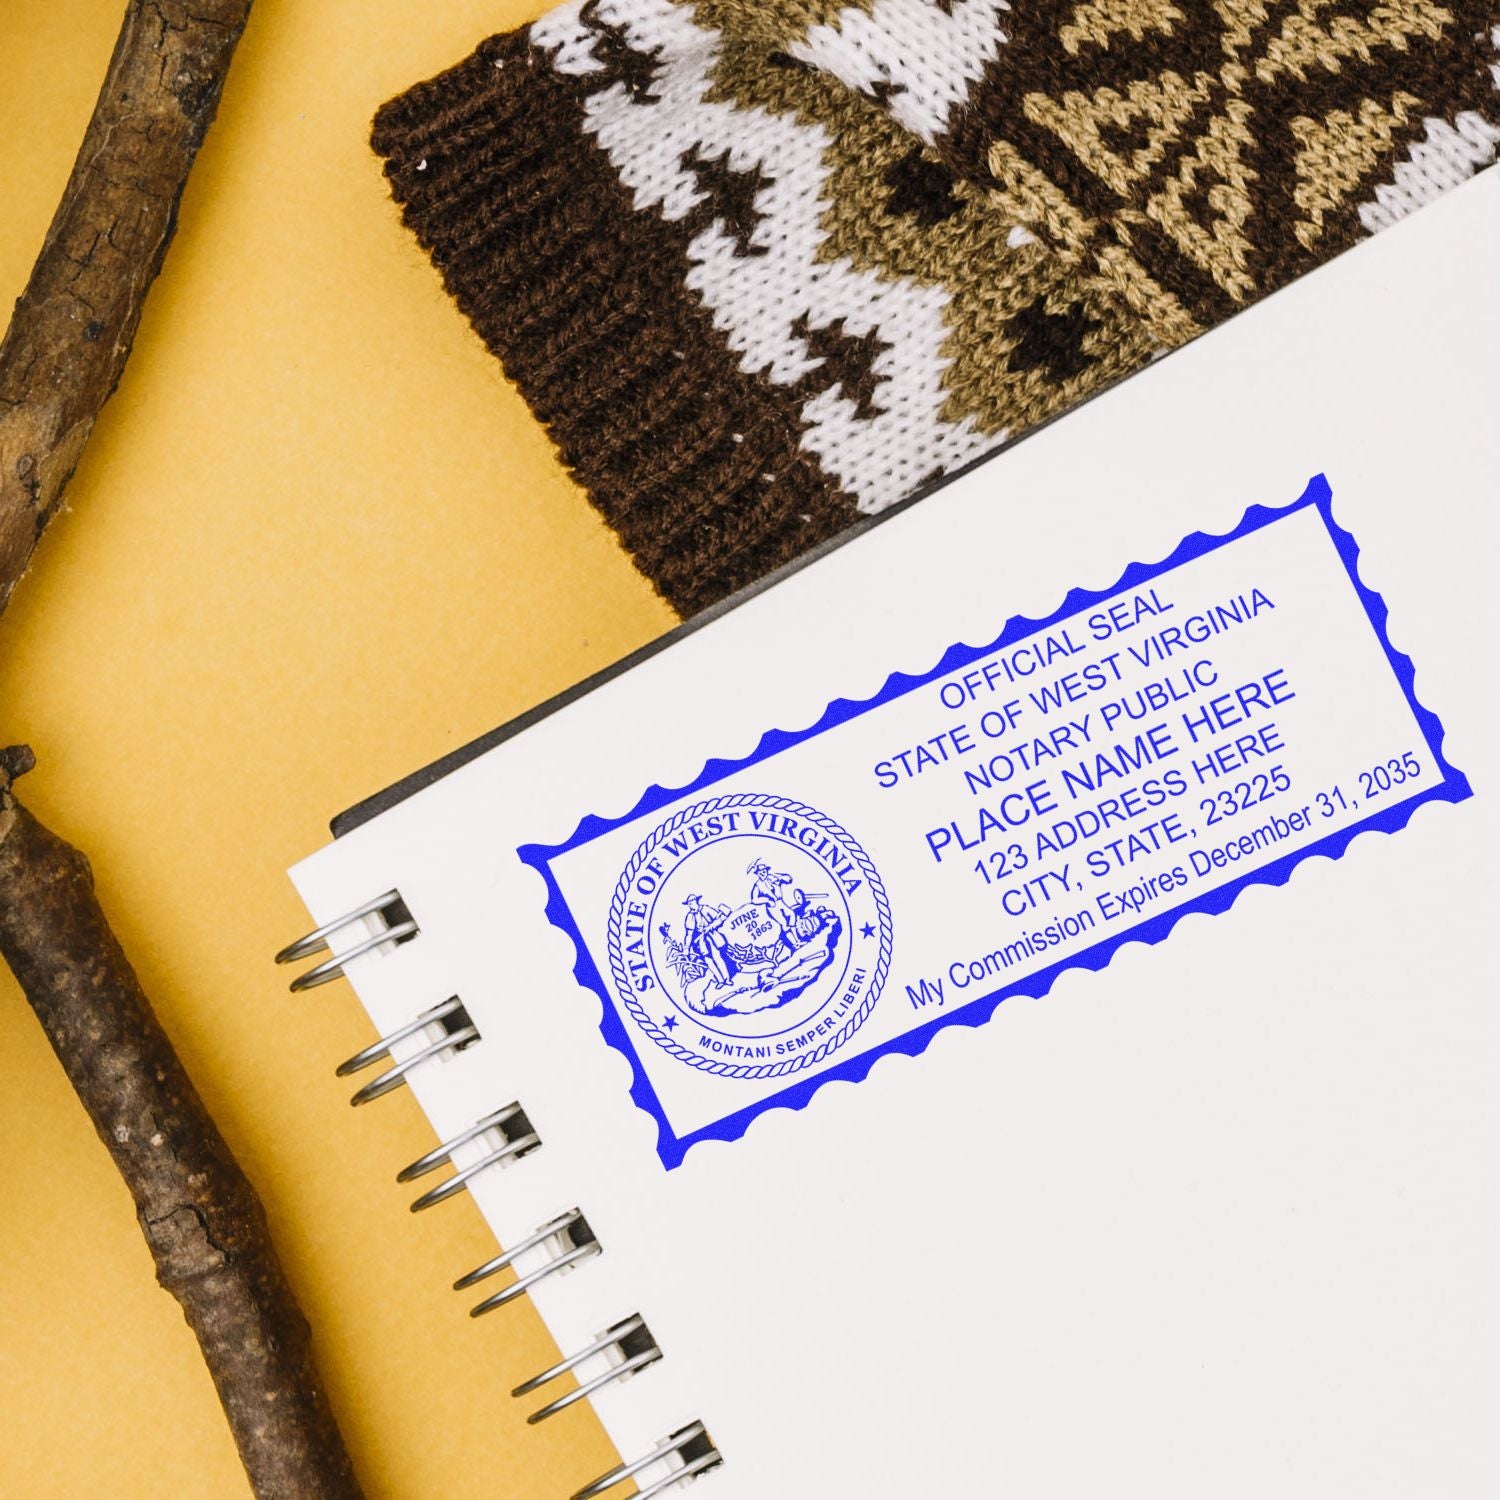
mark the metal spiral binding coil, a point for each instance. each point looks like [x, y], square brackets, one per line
[576, 1241]
[401, 930]
[628, 1346]
[458, 1032]
[631, 1341]
[516, 1146]
[689, 1445]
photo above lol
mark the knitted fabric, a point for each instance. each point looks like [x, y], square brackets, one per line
[1196, 154]
[762, 266]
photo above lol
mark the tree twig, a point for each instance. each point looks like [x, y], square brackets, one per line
[74, 325]
[202, 1219]
[60, 361]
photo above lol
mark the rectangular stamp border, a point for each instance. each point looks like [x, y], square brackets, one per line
[1389, 818]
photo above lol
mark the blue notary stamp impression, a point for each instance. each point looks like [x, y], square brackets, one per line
[1025, 807]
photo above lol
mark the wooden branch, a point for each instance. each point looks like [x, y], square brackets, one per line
[73, 327]
[202, 1219]
[59, 363]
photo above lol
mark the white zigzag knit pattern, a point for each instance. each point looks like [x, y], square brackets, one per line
[877, 458]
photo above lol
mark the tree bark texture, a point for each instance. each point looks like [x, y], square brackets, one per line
[74, 325]
[202, 1219]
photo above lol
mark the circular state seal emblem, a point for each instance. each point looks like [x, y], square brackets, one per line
[749, 936]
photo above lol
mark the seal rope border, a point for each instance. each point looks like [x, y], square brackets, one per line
[756, 1070]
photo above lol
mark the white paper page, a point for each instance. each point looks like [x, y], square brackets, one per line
[1216, 1217]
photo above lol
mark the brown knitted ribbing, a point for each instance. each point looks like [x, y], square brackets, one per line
[582, 296]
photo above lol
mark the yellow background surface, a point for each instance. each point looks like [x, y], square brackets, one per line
[315, 542]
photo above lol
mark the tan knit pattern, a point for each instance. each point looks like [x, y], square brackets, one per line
[1032, 333]
[1200, 153]
[772, 24]
[1175, 158]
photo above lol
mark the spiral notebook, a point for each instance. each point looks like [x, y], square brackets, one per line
[1009, 1007]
